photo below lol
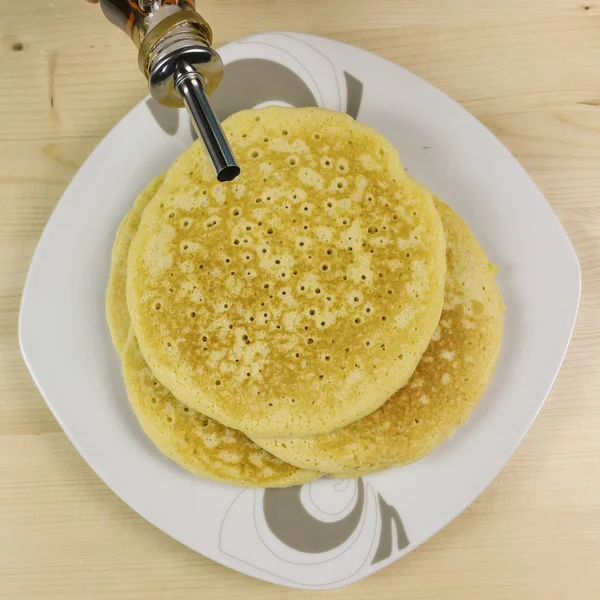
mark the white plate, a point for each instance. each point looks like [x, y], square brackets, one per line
[353, 527]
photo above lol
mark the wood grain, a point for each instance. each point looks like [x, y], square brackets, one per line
[531, 72]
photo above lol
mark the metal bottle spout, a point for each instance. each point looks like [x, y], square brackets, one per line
[188, 83]
[181, 67]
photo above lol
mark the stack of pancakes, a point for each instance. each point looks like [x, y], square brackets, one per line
[322, 314]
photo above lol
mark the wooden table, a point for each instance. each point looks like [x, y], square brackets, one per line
[531, 72]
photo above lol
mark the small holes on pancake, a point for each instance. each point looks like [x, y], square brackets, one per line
[303, 219]
[157, 305]
[342, 165]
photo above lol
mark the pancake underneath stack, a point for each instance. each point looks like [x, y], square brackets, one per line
[294, 305]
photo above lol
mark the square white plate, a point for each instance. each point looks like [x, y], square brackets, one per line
[358, 526]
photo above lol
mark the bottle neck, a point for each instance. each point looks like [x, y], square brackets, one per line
[138, 17]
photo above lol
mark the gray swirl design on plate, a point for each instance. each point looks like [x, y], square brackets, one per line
[354, 92]
[321, 533]
[293, 525]
[251, 81]
[389, 515]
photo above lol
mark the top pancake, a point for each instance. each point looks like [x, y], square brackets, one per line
[445, 388]
[298, 298]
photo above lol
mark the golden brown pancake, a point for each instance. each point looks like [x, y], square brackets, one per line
[298, 298]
